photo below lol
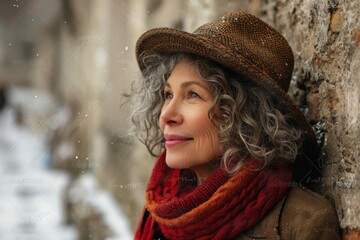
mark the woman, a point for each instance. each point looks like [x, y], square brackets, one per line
[233, 146]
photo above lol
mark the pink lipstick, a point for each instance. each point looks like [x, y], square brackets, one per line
[172, 140]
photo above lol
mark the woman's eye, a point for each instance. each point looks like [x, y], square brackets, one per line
[193, 95]
[168, 95]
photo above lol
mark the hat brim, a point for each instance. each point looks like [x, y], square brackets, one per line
[167, 40]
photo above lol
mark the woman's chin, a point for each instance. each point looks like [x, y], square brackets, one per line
[175, 164]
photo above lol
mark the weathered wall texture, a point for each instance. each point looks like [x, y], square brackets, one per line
[325, 38]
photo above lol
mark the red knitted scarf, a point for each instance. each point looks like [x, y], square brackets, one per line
[222, 207]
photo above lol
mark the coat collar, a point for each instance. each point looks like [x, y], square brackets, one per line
[268, 227]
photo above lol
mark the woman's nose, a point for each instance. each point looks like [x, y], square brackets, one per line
[171, 113]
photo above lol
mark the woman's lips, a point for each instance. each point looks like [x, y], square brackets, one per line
[172, 140]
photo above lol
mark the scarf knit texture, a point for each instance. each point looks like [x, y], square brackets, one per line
[222, 207]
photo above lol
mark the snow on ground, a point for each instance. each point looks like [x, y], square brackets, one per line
[31, 194]
[86, 189]
[31, 206]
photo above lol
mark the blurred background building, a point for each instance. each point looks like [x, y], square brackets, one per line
[70, 169]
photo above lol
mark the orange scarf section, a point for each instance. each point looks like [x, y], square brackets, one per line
[222, 207]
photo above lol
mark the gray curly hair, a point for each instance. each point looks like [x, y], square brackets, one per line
[250, 124]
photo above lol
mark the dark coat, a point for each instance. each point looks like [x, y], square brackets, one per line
[302, 215]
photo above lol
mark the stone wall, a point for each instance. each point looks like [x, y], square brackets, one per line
[325, 38]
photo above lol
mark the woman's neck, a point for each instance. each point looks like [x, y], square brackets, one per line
[204, 171]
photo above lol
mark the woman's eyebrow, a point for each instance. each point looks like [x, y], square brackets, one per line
[189, 83]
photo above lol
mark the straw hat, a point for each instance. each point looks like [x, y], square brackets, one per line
[245, 44]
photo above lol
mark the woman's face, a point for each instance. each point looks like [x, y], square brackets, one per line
[191, 139]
